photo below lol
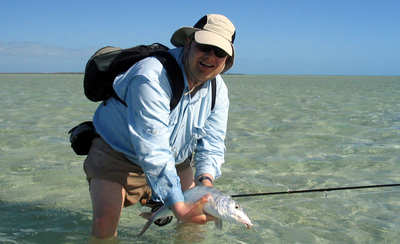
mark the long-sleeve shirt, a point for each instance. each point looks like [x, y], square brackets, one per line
[156, 138]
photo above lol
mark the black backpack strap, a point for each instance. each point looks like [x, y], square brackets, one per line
[214, 93]
[174, 74]
[175, 78]
[114, 95]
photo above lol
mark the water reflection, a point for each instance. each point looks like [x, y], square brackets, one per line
[190, 233]
[94, 240]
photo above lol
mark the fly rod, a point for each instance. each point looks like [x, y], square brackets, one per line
[313, 190]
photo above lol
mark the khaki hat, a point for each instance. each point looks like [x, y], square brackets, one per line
[212, 29]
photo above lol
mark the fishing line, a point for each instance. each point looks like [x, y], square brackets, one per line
[313, 190]
[282, 203]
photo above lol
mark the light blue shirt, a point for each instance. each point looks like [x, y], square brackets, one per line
[156, 138]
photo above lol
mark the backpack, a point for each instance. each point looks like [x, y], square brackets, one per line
[109, 62]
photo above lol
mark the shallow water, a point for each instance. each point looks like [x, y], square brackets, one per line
[285, 132]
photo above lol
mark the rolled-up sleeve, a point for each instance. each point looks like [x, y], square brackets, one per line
[148, 118]
[210, 149]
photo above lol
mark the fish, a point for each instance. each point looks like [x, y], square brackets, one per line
[222, 207]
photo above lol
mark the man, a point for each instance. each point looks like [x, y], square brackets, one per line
[145, 149]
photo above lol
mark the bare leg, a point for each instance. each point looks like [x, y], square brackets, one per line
[187, 178]
[107, 201]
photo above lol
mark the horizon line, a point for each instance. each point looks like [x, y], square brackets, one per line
[270, 74]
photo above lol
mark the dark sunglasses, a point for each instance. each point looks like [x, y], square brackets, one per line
[207, 48]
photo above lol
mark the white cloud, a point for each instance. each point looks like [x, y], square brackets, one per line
[38, 57]
[38, 50]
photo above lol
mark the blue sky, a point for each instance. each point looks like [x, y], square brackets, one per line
[273, 37]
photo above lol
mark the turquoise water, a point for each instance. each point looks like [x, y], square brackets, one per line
[285, 132]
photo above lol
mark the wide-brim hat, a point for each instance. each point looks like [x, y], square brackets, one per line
[212, 29]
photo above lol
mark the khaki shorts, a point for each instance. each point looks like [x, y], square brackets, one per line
[105, 163]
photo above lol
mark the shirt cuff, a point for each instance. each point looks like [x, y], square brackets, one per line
[206, 169]
[174, 196]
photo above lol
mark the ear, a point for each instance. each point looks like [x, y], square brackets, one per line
[229, 61]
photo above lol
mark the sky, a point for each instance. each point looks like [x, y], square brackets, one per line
[338, 37]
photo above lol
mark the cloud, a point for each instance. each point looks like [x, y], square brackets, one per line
[38, 57]
[38, 50]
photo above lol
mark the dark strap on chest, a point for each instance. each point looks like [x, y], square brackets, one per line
[214, 93]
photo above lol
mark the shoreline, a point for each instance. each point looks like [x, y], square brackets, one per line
[228, 74]
[41, 73]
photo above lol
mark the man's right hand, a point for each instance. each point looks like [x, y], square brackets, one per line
[192, 212]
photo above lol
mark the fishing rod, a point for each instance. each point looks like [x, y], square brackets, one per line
[313, 190]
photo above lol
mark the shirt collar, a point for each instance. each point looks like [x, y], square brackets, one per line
[178, 55]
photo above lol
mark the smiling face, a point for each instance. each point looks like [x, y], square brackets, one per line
[201, 65]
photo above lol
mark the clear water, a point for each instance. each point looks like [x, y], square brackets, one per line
[285, 132]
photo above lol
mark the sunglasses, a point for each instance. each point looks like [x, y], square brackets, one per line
[207, 48]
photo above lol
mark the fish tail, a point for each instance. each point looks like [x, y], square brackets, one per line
[145, 227]
[146, 215]
[151, 218]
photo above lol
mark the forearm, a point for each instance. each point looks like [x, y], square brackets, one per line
[165, 188]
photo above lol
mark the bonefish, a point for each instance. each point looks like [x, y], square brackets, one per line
[219, 205]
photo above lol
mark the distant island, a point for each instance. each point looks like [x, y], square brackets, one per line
[234, 74]
[83, 73]
[43, 73]
[78, 73]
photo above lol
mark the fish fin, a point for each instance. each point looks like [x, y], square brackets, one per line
[146, 215]
[151, 218]
[145, 227]
[218, 224]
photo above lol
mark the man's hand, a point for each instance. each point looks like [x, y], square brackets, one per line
[192, 212]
